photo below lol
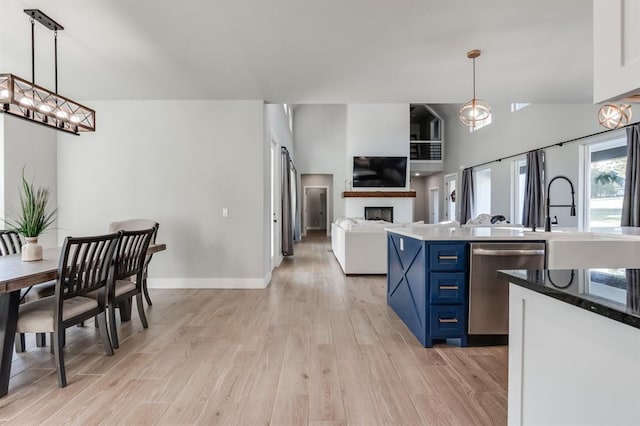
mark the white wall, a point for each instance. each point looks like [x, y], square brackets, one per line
[510, 133]
[378, 130]
[32, 146]
[320, 144]
[180, 163]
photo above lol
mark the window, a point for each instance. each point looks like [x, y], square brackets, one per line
[483, 192]
[481, 124]
[517, 107]
[605, 168]
[518, 177]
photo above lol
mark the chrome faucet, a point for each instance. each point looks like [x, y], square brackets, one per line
[547, 220]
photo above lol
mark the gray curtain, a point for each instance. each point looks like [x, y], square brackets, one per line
[631, 200]
[533, 203]
[295, 194]
[288, 219]
[466, 195]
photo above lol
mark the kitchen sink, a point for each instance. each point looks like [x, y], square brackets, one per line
[572, 250]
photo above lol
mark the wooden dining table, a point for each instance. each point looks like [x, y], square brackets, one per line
[14, 276]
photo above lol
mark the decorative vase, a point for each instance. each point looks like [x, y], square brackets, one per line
[31, 250]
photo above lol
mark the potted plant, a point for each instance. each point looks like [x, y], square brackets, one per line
[34, 217]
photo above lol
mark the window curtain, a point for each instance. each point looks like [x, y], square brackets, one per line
[533, 203]
[466, 196]
[288, 204]
[631, 200]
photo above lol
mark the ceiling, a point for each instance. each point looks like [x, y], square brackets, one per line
[308, 51]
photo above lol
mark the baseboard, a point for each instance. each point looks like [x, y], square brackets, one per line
[214, 283]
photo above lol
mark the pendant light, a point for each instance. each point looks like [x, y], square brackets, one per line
[614, 116]
[475, 111]
[25, 99]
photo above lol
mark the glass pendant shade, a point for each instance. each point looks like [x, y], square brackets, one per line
[614, 116]
[474, 111]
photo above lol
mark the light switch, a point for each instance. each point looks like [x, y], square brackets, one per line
[225, 212]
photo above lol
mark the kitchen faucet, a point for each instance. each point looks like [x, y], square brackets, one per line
[547, 220]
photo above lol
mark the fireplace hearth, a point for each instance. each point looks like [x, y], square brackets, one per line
[379, 213]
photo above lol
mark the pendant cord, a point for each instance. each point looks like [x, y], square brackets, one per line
[474, 78]
[33, 52]
[55, 50]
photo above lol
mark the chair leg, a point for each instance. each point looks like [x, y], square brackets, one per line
[58, 342]
[146, 292]
[20, 342]
[104, 334]
[113, 330]
[41, 340]
[143, 317]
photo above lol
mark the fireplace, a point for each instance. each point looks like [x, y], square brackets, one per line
[379, 213]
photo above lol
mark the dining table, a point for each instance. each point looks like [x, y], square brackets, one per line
[16, 274]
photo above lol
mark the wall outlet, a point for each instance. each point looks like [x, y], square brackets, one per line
[225, 212]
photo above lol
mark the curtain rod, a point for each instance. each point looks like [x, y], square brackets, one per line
[293, 166]
[552, 145]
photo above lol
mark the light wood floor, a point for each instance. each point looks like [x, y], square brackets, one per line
[315, 348]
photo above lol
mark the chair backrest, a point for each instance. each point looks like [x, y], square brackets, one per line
[85, 265]
[10, 242]
[135, 225]
[131, 253]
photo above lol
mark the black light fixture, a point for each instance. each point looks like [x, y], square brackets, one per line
[25, 99]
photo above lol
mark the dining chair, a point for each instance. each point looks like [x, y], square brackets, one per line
[129, 261]
[85, 268]
[10, 243]
[137, 225]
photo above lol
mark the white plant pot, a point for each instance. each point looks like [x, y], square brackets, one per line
[31, 251]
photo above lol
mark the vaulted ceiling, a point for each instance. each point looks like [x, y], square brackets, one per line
[308, 51]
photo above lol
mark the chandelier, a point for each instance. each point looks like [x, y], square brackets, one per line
[25, 99]
[475, 111]
[614, 116]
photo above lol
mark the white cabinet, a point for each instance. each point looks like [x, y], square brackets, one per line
[616, 50]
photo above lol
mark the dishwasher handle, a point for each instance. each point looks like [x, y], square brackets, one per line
[509, 252]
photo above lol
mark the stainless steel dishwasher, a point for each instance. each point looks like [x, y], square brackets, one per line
[489, 295]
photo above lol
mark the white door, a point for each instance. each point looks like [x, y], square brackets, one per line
[450, 196]
[434, 205]
[275, 205]
[316, 211]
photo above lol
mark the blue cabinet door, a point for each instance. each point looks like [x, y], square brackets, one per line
[447, 288]
[406, 283]
[448, 257]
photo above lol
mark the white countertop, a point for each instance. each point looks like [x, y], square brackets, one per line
[429, 233]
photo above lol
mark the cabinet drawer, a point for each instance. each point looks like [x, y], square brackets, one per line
[447, 320]
[447, 287]
[447, 257]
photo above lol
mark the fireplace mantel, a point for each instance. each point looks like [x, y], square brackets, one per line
[379, 194]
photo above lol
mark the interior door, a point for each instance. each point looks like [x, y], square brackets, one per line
[315, 214]
[434, 205]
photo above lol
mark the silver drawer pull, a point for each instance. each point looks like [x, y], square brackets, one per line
[448, 287]
[447, 257]
[447, 320]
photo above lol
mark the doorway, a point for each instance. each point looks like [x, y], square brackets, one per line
[434, 205]
[315, 208]
[450, 182]
[276, 231]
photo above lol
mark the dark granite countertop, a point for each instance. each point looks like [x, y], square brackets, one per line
[612, 293]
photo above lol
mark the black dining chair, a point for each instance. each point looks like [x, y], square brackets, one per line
[129, 262]
[10, 243]
[137, 225]
[85, 271]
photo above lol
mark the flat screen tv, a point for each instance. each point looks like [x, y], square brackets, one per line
[379, 172]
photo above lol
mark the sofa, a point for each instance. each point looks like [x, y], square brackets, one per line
[360, 246]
